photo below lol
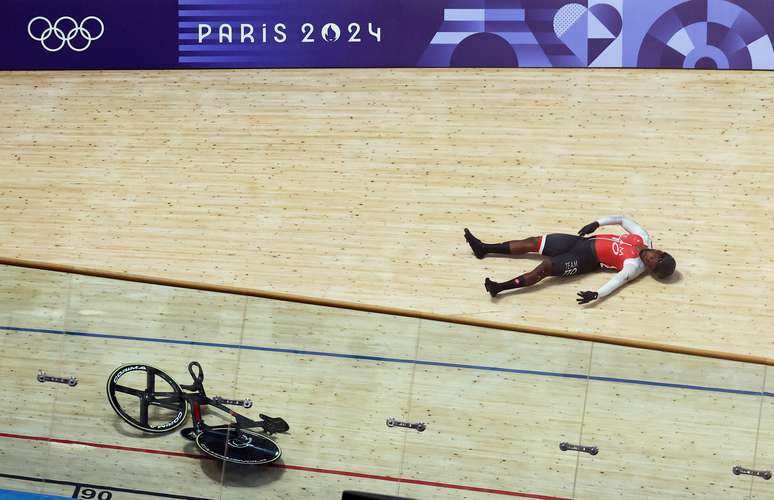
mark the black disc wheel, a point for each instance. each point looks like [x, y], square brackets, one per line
[146, 398]
[238, 446]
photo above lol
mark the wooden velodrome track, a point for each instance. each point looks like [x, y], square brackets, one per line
[495, 413]
[355, 185]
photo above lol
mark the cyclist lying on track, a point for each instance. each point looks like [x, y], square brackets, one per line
[630, 254]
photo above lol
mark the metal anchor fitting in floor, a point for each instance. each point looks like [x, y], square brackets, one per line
[591, 450]
[765, 474]
[419, 426]
[43, 377]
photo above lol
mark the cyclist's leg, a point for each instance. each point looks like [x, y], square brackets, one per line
[513, 247]
[527, 279]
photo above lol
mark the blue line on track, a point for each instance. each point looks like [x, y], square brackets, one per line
[302, 352]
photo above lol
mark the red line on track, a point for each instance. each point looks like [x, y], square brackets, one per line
[290, 467]
[107, 446]
[423, 483]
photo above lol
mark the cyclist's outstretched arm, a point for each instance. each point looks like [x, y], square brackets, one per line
[632, 268]
[617, 220]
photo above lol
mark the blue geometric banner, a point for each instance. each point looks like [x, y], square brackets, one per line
[82, 34]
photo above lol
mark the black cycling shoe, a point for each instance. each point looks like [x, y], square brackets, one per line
[475, 244]
[490, 287]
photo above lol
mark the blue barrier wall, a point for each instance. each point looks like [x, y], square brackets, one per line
[19, 495]
[716, 34]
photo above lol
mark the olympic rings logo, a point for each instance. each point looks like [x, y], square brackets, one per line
[67, 31]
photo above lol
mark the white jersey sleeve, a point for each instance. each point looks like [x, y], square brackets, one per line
[629, 226]
[631, 269]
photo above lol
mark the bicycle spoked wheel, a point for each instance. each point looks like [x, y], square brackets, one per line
[238, 446]
[146, 398]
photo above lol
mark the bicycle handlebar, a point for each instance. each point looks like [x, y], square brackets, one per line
[273, 425]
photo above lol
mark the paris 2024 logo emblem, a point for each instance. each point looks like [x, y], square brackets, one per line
[65, 31]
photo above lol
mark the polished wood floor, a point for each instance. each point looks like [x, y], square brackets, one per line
[496, 404]
[356, 185]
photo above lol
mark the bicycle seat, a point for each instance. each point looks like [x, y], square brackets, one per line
[273, 424]
[198, 374]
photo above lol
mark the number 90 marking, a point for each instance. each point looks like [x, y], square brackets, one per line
[89, 493]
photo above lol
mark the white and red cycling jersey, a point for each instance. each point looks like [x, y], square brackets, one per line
[620, 252]
[613, 249]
